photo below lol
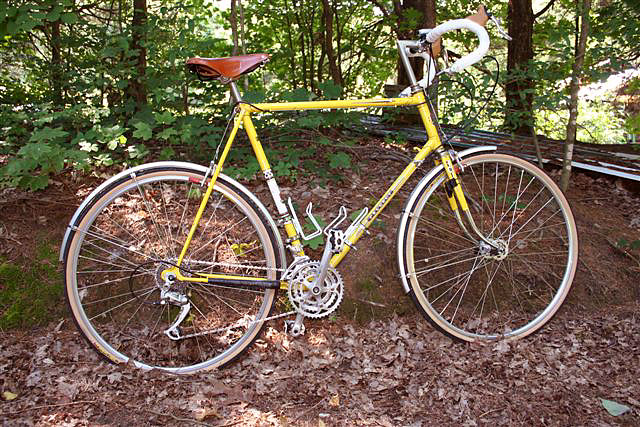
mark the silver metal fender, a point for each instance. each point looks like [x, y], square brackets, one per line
[411, 201]
[107, 183]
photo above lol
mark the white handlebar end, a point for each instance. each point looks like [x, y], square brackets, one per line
[457, 24]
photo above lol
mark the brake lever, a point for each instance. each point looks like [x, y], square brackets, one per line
[502, 32]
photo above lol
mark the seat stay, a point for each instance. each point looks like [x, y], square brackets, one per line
[205, 199]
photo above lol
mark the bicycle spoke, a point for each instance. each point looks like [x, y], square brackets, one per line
[118, 296]
[150, 212]
[120, 305]
[474, 291]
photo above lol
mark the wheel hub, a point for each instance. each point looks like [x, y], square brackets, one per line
[498, 251]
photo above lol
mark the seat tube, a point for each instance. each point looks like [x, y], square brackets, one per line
[283, 212]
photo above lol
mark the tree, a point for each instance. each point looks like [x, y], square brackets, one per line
[313, 41]
[137, 88]
[520, 84]
[582, 15]
[408, 17]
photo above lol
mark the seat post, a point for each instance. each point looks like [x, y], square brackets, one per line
[234, 92]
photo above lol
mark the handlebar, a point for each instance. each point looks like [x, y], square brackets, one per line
[474, 23]
[467, 60]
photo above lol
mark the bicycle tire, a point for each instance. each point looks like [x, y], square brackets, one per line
[132, 229]
[468, 290]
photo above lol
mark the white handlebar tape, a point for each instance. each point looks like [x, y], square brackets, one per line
[458, 24]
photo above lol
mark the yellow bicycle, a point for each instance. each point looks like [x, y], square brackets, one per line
[176, 266]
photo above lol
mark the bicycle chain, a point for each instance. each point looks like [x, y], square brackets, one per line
[228, 328]
[225, 264]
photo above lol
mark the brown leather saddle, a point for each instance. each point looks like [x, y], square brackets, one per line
[226, 69]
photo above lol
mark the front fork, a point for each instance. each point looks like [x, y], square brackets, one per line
[457, 200]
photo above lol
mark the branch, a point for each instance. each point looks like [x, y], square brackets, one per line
[544, 9]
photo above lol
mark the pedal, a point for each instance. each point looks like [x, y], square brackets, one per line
[294, 328]
[336, 241]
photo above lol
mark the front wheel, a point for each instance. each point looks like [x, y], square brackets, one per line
[471, 290]
[132, 230]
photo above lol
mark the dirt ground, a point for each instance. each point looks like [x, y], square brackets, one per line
[377, 363]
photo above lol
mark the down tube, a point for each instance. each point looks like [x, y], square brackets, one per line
[431, 145]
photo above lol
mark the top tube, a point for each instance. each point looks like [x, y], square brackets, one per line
[413, 100]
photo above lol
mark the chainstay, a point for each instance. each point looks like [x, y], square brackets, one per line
[228, 328]
[245, 266]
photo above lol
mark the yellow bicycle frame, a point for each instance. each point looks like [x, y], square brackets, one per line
[243, 118]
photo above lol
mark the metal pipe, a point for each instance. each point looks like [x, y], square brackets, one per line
[234, 92]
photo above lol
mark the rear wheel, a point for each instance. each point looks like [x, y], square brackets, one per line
[471, 290]
[133, 230]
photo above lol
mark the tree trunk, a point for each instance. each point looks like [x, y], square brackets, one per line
[137, 88]
[56, 64]
[292, 56]
[242, 42]
[327, 15]
[519, 88]
[574, 87]
[233, 20]
[428, 10]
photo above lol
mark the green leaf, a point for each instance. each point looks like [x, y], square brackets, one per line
[167, 153]
[164, 118]
[355, 214]
[48, 134]
[35, 151]
[282, 168]
[69, 18]
[54, 15]
[614, 408]
[34, 183]
[330, 90]
[143, 130]
[88, 146]
[138, 151]
[313, 121]
[103, 160]
[339, 160]
[167, 133]
[299, 94]
[315, 243]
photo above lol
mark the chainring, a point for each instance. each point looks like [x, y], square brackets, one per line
[327, 297]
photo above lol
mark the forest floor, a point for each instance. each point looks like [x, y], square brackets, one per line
[377, 363]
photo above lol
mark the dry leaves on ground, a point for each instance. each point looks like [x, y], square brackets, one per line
[397, 372]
